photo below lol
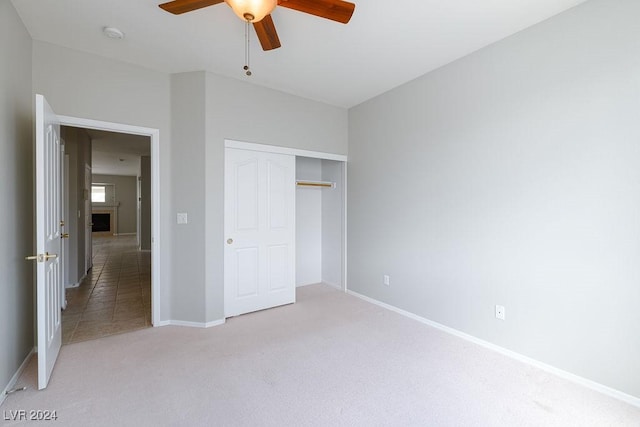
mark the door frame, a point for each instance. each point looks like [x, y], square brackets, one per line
[154, 135]
[65, 215]
[88, 237]
[230, 143]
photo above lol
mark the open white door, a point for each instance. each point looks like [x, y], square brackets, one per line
[48, 238]
[259, 222]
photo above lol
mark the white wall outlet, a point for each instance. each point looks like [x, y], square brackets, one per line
[386, 280]
[183, 218]
[500, 312]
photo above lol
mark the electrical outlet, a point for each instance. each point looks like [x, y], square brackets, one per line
[500, 312]
[386, 280]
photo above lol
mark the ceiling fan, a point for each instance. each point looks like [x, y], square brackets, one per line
[258, 13]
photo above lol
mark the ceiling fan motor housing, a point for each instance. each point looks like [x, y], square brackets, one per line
[252, 10]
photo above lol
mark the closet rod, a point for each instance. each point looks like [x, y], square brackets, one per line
[319, 184]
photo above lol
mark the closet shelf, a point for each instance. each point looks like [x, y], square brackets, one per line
[315, 184]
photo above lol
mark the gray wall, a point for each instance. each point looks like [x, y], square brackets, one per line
[206, 109]
[78, 147]
[145, 203]
[333, 223]
[308, 223]
[16, 192]
[512, 177]
[126, 195]
[84, 85]
[241, 111]
[188, 108]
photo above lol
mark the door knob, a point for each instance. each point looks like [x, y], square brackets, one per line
[41, 258]
[229, 241]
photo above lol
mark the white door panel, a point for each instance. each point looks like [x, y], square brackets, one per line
[247, 273]
[259, 230]
[277, 196]
[48, 238]
[246, 215]
[277, 258]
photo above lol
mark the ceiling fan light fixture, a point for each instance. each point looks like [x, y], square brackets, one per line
[252, 10]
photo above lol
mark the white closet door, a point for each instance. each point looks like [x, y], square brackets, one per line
[259, 257]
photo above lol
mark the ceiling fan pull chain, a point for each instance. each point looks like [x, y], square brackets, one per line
[246, 49]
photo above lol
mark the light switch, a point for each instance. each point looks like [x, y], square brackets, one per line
[182, 218]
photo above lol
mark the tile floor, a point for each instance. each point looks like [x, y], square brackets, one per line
[115, 297]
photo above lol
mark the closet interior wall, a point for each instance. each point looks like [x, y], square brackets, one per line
[320, 223]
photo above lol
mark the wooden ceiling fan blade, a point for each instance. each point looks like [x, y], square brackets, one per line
[336, 10]
[267, 34]
[181, 6]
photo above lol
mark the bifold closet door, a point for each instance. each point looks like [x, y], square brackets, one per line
[259, 222]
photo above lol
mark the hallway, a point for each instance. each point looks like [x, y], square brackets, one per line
[115, 297]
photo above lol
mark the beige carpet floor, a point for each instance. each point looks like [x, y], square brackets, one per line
[328, 360]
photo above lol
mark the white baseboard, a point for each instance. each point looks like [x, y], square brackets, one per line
[334, 285]
[124, 234]
[617, 394]
[307, 284]
[192, 324]
[14, 378]
[215, 323]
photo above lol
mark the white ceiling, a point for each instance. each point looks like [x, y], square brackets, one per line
[386, 44]
[115, 153]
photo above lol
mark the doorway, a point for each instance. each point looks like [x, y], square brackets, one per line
[147, 254]
[109, 283]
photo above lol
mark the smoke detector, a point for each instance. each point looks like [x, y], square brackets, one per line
[113, 33]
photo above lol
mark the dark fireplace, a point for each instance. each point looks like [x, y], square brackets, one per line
[101, 222]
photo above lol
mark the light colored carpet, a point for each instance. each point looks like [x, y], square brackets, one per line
[330, 359]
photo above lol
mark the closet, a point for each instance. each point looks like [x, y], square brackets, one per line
[320, 221]
[285, 217]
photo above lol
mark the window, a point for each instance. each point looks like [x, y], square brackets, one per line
[98, 194]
